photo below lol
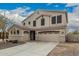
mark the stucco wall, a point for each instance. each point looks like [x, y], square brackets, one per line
[59, 37]
[42, 37]
[48, 18]
[21, 37]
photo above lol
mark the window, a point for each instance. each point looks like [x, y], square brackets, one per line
[50, 32]
[25, 32]
[23, 23]
[42, 21]
[14, 32]
[0, 35]
[62, 32]
[29, 23]
[55, 32]
[17, 31]
[34, 23]
[11, 32]
[53, 20]
[59, 19]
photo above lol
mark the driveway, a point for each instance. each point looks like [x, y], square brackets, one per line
[29, 49]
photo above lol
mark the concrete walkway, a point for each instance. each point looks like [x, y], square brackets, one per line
[29, 49]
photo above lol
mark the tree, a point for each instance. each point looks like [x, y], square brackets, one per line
[76, 32]
[2, 27]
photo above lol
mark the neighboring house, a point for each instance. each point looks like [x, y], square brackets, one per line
[44, 25]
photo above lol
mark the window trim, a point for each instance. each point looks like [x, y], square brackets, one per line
[14, 32]
[49, 32]
[25, 32]
[42, 21]
[11, 32]
[24, 23]
[55, 20]
[18, 32]
[59, 20]
[34, 23]
[29, 22]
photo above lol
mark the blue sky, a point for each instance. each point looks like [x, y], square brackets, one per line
[34, 6]
[19, 11]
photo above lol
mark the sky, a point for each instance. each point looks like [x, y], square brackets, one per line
[19, 11]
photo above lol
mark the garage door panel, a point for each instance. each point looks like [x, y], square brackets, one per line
[49, 36]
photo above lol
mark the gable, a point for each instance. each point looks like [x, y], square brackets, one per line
[40, 13]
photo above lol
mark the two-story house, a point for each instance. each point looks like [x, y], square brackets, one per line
[46, 25]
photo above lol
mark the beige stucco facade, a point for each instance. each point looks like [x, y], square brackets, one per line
[47, 15]
[21, 37]
[48, 32]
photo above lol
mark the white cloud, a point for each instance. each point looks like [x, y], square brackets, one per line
[74, 18]
[49, 4]
[71, 4]
[56, 5]
[17, 15]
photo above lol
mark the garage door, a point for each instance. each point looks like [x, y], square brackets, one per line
[49, 35]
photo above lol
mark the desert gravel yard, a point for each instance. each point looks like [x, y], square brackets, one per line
[65, 49]
[8, 45]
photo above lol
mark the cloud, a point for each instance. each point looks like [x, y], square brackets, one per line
[48, 4]
[16, 15]
[74, 18]
[71, 4]
[55, 5]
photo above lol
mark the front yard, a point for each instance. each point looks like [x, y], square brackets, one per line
[65, 49]
[8, 45]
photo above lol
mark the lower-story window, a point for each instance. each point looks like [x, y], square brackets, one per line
[11, 32]
[14, 32]
[50, 32]
[25, 32]
[17, 31]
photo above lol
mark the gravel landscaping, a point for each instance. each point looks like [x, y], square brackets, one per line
[65, 49]
[8, 45]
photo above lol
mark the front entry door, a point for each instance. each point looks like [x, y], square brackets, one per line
[32, 35]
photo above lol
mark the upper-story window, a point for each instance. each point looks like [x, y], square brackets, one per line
[43, 21]
[53, 20]
[34, 23]
[59, 19]
[29, 23]
[17, 31]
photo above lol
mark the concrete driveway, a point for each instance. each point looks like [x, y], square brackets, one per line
[29, 49]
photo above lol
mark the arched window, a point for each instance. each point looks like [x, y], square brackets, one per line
[25, 32]
[43, 21]
[24, 23]
[11, 32]
[14, 32]
[17, 31]
[29, 22]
